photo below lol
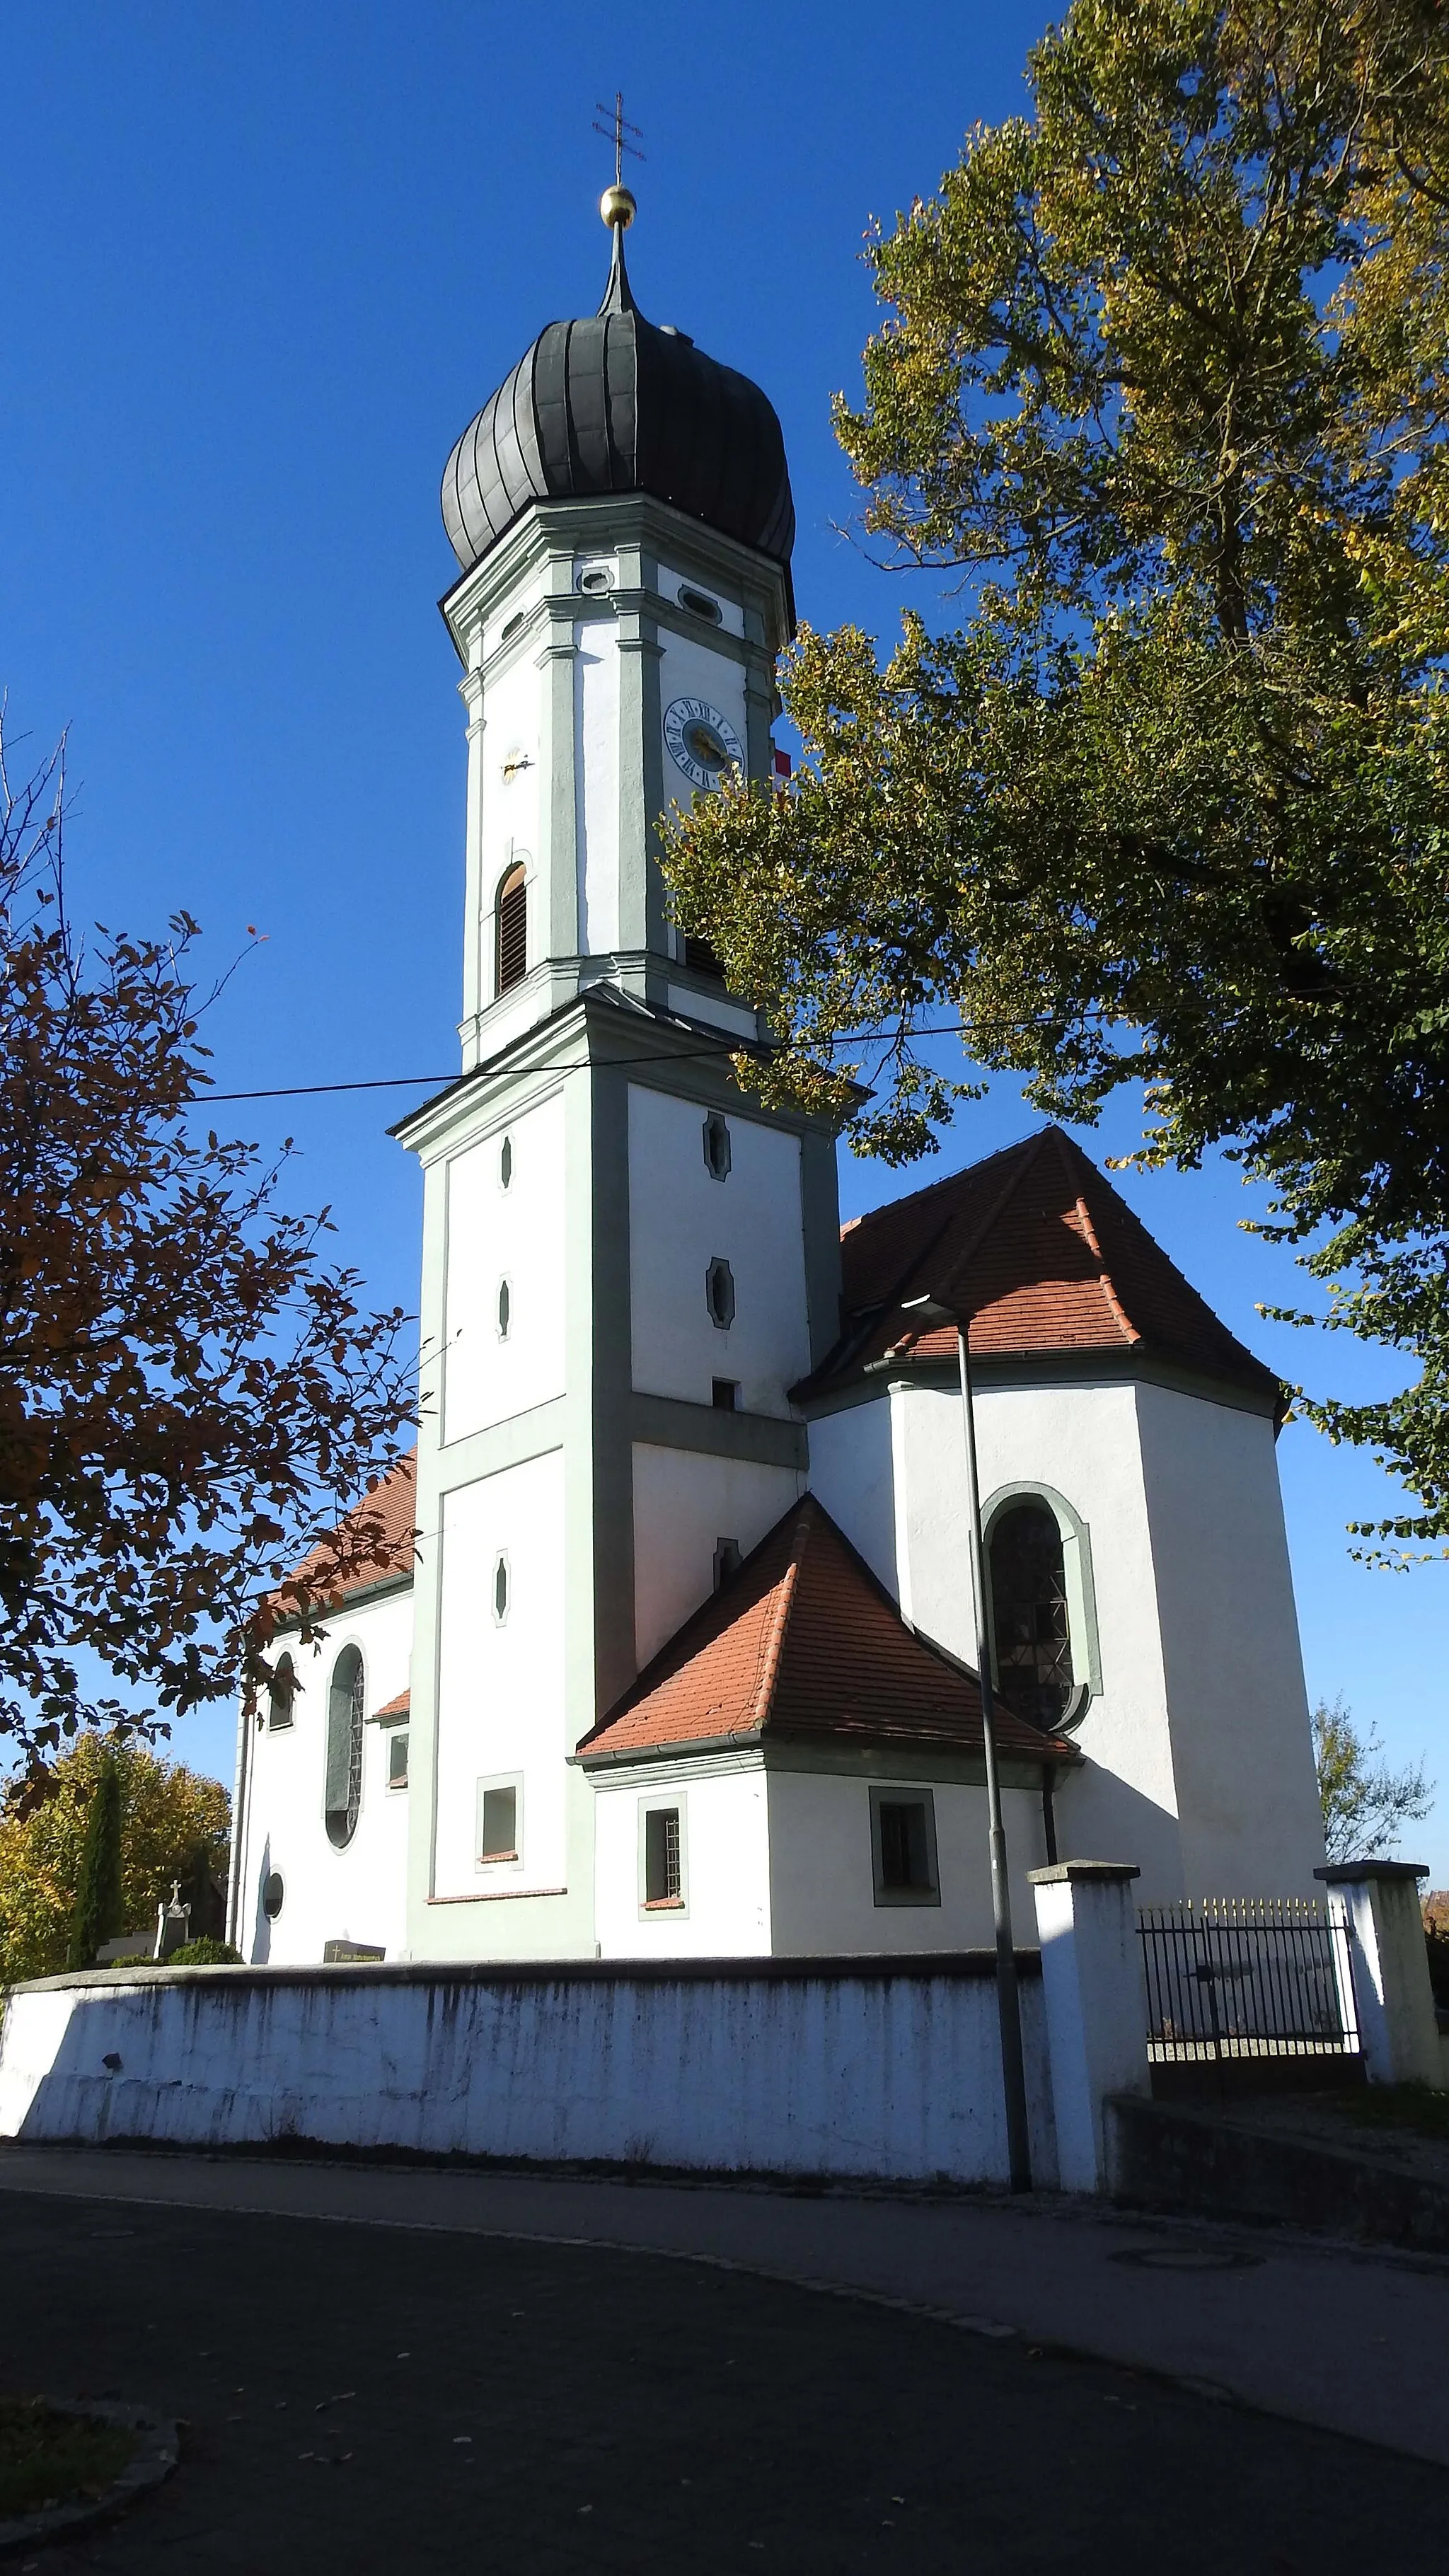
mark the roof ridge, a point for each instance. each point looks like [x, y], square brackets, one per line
[1008, 1191]
[773, 1648]
[948, 1180]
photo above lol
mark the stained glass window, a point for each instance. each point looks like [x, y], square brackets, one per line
[1031, 1627]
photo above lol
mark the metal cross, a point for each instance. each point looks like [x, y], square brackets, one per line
[617, 132]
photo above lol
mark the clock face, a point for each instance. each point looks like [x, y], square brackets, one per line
[702, 742]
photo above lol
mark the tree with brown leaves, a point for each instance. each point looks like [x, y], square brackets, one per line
[191, 1396]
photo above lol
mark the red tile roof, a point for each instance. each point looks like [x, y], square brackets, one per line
[1045, 1256]
[378, 1539]
[400, 1706]
[803, 1642]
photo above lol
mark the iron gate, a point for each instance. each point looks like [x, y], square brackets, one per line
[1239, 1977]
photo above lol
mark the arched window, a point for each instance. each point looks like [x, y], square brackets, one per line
[1031, 1619]
[505, 1309]
[345, 1712]
[513, 928]
[283, 1691]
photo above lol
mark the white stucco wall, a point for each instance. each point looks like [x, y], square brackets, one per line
[500, 1685]
[694, 669]
[596, 782]
[725, 1861]
[672, 581]
[1241, 1745]
[681, 1219]
[684, 1503]
[870, 2074]
[360, 1893]
[515, 1234]
[852, 1469]
[822, 1885]
[504, 811]
[1198, 1763]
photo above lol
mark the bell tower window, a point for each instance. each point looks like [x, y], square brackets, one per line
[1031, 1619]
[513, 929]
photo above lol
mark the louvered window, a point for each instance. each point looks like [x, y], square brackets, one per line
[346, 1708]
[512, 929]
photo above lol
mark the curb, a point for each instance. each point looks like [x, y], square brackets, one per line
[158, 2447]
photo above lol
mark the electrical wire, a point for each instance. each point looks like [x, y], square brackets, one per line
[725, 1046]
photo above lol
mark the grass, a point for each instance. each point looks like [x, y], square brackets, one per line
[1400, 2106]
[48, 2459]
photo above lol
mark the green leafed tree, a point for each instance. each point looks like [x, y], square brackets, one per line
[192, 1396]
[169, 1817]
[1162, 376]
[1365, 1804]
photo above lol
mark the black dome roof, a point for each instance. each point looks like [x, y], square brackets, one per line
[616, 404]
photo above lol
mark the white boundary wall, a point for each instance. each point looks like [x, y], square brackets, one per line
[863, 2069]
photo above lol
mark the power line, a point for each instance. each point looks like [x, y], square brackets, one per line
[724, 1046]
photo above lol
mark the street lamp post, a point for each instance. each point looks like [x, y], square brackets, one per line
[934, 1312]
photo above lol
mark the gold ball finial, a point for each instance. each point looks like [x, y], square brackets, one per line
[616, 206]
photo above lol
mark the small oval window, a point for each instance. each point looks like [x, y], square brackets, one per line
[505, 1164]
[273, 1892]
[511, 626]
[699, 603]
[505, 1309]
[500, 1590]
[719, 1291]
[717, 1146]
[596, 578]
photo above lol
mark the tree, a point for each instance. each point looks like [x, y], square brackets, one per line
[167, 1812]
[96, 1915]
[191, 1398]
[1163, 375]
[1364, 1803]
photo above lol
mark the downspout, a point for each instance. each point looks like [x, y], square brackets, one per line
[1049, 1812]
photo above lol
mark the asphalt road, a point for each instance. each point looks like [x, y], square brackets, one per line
[368, 2398]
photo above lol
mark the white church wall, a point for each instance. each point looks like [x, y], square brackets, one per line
[501, 1682]
[596, 777]
[822, 1881]
[356, 1894]
[691, 669]
[1241, 1747]
[685, 1502]
[680, 1220]
[507, 751]
[513, 1234]
[672, 581]
[1083, 1442]
[852, 1469]
[724, 1912]
[758, 2068]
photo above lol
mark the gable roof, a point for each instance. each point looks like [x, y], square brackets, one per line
[387, 1514]
[802, 1642]
[1045, 1255]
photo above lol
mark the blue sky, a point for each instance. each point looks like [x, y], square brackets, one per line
[262, 265]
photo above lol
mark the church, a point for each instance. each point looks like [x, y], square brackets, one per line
[682, 1664]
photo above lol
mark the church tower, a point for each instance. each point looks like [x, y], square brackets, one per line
[627, 1265]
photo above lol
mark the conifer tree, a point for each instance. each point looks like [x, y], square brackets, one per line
[97, 1916]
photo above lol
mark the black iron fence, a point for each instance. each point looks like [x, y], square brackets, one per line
[1234, 1977]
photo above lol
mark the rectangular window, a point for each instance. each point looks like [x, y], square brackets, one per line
[726, 1394]
[903, 1847]
[498, 1806]
[397, 1759]
[663, 1857]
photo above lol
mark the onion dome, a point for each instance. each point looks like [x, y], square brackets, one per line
[618, 404]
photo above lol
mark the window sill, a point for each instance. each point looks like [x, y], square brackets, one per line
[493, 1860]
[662, 1905]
